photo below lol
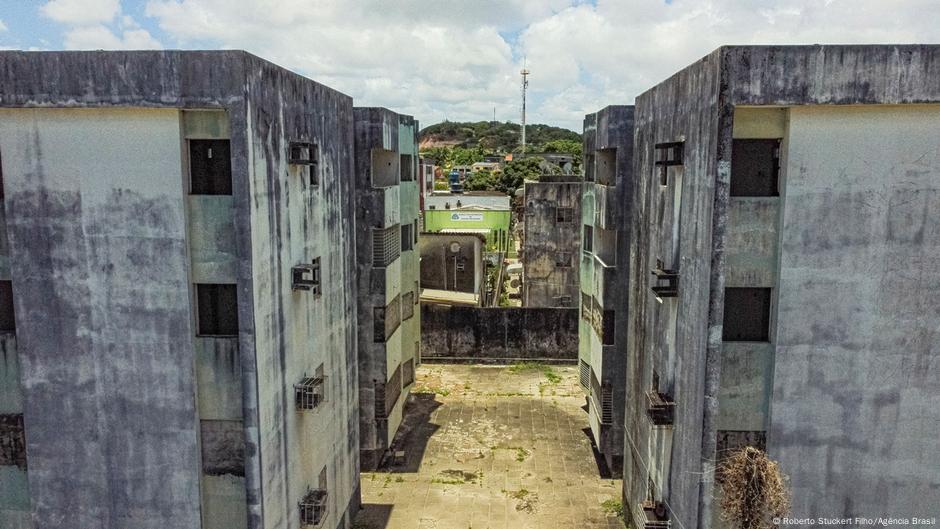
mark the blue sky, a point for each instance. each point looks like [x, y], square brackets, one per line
[460, 60]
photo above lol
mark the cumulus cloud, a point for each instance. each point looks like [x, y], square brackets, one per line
[98, 24]
[460, 60]
[81, 12]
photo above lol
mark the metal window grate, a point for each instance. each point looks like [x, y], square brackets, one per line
[667, 281]
[310, 393]
[386, 245]
[607, 404]
[660, 408]
[313, 508]
[306, 277]
[585, 374]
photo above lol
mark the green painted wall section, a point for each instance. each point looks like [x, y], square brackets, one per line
[495, 221]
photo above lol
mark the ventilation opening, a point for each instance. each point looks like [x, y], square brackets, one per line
[217, 310]
[589, 167]
[747, 315]
[755, 168]
[306, 277]
[384, 168]
[564, 215]
[210, 167]
[386, 246]
[605, 163]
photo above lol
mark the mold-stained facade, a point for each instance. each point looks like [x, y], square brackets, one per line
[606, 207]
[179, 245]
[786, 203]
[551, 246]
[387, 227]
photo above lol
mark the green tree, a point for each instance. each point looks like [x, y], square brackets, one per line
[571, 147]
[482, 180]
[517, 171]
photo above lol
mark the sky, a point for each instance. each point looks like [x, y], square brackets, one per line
[460, 60]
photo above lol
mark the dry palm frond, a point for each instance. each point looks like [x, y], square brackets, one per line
[753, 490]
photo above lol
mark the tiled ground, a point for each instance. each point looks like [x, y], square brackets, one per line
[491, 447]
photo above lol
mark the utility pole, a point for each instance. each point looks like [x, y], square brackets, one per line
[525, 86]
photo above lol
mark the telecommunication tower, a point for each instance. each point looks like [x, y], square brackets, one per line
[525, 85]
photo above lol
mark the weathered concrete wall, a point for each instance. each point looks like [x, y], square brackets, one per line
[473, 333]
[15, 511]
[674, 224]
[99, 260]
[697, 105]
[393, 205]
[608, 207]
[856, 391]
[266, 107]
[296, 332]
[545, 283]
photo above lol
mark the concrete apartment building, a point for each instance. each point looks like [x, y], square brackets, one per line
[606, 207]
[388, 270]
[552, 242]
[177, 294]
[787, 203]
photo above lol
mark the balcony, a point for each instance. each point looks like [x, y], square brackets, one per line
[660, 408]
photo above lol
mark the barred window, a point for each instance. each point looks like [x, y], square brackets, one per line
[564, 215]
[386, 245]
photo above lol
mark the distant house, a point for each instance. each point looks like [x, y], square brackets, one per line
[452, 268]
[489, 166]
[486, 213]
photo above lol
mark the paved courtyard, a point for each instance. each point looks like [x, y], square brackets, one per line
[493, 447]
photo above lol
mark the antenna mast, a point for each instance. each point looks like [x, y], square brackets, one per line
[525, 86]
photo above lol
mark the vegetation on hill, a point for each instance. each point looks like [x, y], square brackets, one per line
[492, 136]
[452, 144]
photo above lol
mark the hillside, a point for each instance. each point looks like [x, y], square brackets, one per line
[491, 136]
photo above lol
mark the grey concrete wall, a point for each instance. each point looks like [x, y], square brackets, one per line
[295, 332]
[543, 281]
[481, 334]
[15, 511]
[603, 277]
[855, 413]
[438, 269]
[103, 319]
[376, 207]
[697, 105]
[277, 224]
[673, 223]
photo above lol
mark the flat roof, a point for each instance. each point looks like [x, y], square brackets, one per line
[449, 297]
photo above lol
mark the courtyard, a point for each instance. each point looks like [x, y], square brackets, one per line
[493, 447]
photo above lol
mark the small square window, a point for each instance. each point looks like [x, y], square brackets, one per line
[7, 319]
[755, 165]
[563, 260]
[210, 167]
[747, 315]
[216, 310]
[564, 215]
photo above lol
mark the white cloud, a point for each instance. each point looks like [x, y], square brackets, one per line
[81, 12]
[96, 24]
[459, 60]
[3, 27]
[100, 37]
